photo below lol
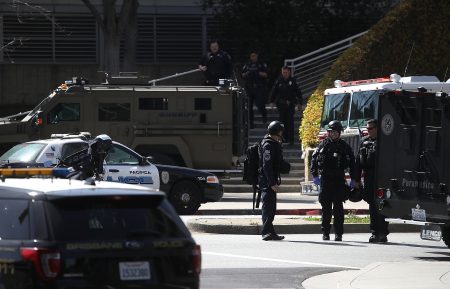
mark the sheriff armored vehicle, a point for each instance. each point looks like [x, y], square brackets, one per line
[202, 127]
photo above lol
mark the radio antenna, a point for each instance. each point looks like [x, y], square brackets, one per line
[443, 80]
[409, 59]
[407, 63]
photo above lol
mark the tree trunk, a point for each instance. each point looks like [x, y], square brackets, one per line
[130, 40]
[112, 54]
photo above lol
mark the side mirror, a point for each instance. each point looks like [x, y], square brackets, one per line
[146, 160]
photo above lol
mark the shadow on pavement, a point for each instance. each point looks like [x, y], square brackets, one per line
[329, 243]
[403, 245]
[445, 258]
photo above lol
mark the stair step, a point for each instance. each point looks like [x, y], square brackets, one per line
[284, 188]
[285, 180]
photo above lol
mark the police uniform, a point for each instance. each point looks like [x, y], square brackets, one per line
[286, 95]
[365, 163]
[255, 88]
[270, 162]
[218, 66]
[330, 160]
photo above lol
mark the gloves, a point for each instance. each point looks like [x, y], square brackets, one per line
[353, 184]
[317, 181]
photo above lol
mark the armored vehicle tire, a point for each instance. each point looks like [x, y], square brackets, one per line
[185, 197]
[446, 235]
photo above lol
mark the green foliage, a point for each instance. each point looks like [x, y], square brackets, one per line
[419, 27]
[288, 28]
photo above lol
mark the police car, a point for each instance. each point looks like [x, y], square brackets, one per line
[61, 233]
[186, 188]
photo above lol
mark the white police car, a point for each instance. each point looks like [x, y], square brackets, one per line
[186, 188]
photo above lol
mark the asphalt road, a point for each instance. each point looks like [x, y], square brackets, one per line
[244, 261]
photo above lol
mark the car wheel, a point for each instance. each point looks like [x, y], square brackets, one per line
[446, 235]
[185, 197]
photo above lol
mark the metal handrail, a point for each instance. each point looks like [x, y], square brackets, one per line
[309, 68]
[154, 81]
[349, 39]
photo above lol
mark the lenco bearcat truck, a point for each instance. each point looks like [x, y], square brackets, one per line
[202, 127]
[413, 155]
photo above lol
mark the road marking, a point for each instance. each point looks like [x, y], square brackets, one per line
[279, 260]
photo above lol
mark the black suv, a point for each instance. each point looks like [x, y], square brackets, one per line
[60, 233]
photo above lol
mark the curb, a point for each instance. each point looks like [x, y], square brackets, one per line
[253, 227]
[257, 212]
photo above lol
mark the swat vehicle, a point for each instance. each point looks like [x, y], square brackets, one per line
[413, 164]
[200, 127]
[356, 101]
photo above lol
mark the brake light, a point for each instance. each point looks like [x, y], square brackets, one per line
[197, 259]
[380, 193]
[47, 263]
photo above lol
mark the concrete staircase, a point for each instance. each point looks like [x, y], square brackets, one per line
[290, 183]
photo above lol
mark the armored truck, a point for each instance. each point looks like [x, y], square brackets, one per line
[354, 102]
[201, 127]
[413, 164]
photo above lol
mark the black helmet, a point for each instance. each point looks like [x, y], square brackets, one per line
[275, 127]
[335, 125]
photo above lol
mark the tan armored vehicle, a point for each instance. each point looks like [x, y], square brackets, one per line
[195, 126]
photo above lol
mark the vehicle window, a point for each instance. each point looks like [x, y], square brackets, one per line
[433, 117]
[109, 218]
[335, 107]
[26, 152]
[363, 107]
[154, 103]
[408, 111]
[114, 112]
[71, 148]
[64, 112]
[15, 219]
[119, 156]
[203, 104]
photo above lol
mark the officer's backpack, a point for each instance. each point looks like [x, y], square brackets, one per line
[251, 165]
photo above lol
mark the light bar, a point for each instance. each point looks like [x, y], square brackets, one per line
[363, 81]
[24, 172]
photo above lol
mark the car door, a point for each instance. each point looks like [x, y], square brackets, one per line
[126, 166]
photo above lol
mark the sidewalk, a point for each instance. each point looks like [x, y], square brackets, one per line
[388, 275]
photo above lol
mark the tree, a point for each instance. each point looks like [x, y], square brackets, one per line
[113, 26]
[288, 28]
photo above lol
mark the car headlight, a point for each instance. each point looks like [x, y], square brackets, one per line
[212, 180]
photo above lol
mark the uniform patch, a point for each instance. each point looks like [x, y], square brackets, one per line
[165, 177]
[266, 155]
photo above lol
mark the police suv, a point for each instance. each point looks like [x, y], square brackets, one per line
[63, 233]
[186, 188]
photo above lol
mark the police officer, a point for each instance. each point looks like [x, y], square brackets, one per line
[216, 64]
[329, 161]
[365, 165]
[254, 73]
[269, 177]
[286, 95]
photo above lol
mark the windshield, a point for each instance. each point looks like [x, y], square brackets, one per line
[110, 217]
[364, 107]
[26, 152]
[335, 108]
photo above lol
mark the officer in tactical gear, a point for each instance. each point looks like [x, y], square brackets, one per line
[271, 159]
[254, 73]
[216, 64]
[365, 166]
[329, 161]
[287, 96]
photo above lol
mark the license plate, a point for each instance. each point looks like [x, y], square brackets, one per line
[134, 270]
[431, 232]
[418, 215]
